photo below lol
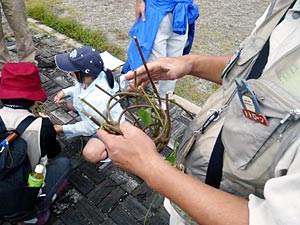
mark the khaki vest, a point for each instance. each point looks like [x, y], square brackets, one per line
[12, 118]
[252, 150]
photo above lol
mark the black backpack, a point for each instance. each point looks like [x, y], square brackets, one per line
[16, 198]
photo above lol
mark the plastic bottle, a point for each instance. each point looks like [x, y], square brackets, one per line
[36, 177]
[44, 162]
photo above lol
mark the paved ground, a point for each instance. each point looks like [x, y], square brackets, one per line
[97, 193]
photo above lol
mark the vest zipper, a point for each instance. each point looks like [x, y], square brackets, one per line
[293, 115]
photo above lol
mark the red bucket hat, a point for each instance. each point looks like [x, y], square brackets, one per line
[21, 80]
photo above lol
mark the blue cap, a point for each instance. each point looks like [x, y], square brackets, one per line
[85, 59]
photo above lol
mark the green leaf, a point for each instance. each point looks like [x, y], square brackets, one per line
[171, 159]
[145, 116]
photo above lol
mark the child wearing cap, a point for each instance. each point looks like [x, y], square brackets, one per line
[20, 88]
[87, 70]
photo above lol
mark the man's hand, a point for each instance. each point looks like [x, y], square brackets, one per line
[140, 8]
[134, 152]
[160, 69]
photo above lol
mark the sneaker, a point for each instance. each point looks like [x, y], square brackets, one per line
[40, 219]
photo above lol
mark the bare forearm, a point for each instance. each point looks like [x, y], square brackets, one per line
[206, 67]
[207, 205]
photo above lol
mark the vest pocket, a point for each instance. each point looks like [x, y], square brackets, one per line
[247, 142]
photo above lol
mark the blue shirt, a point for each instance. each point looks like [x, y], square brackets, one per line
[95, 97]
[184, 11]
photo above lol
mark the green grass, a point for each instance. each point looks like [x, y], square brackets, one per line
[188, 88]
[44, 11]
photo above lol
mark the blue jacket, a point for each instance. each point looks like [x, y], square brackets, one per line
[184, 11]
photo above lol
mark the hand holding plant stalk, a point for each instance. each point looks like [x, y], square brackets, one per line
[144, 111]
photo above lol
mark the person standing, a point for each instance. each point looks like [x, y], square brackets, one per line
[16, 15]
[163, 29]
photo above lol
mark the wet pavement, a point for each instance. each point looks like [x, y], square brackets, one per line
[97, 193]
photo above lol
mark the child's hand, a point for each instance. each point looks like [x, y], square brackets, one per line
[58, 129]
[43, 115]
[60, 98]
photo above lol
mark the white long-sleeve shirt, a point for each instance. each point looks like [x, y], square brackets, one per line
[95, 97]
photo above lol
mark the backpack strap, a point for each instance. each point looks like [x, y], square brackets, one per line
[2, 126]
[24, 124]
[17, 132]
